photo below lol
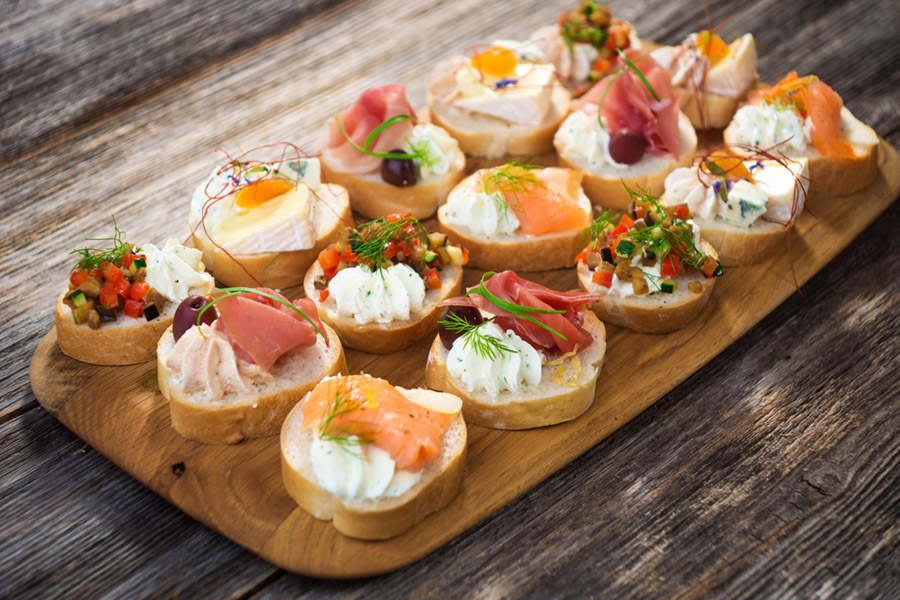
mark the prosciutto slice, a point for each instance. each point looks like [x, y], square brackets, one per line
[261, 330]
[629, 104]
[512, 288]
[370, 110]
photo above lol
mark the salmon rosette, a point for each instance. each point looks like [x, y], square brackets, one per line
[357, 450]
[518, 353]
[239, 347]
[498, 101]
[388, 159]
[518, 216]
[744, 205]
[713, 76]
[628, 126]
[803, 117]
[650, 268]
[380, 285]
[261, 218]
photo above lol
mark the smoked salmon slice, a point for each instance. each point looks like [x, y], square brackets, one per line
[377, 413]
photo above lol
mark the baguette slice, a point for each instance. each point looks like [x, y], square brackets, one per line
[654, 313]
[517, 252]
[257, 413]
[480, 135]
[831, 176]
[545, 404]
[371, 197]
[742, 246]
[373, 518]
[126, 341]
[278, 270]
[385, 338]
[707, 110]
[604, 186]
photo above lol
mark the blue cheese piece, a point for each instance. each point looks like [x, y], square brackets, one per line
[746, 202]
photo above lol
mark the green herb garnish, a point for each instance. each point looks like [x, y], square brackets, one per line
[92, 258]
[597, 229]
[637, 72]
[517, 310]
[368, 241]
[365, 149]
[513, 178]
[237, 291]
[345, 436]
[485, 346]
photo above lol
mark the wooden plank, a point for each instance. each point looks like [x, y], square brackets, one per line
[237, 490]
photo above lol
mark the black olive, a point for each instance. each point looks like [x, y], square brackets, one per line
[186, 315]
[399, 172]
[606, 255]
[626, 147]
[469, 313]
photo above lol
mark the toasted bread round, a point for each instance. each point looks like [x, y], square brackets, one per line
[708, 110]
[653, 313]
[256, 413]
[604, 186]
[480, 135]
[545, 404]
[833, 176]
[126, 341]
[278, 270]
[371, 197]
[516, 252]
[742, 246]
[373, 518]
[385, 338]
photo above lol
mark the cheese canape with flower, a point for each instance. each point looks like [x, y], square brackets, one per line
[373, 458]
[237, 360]
[651, 270]
[745, 207]
[520, 355]
[582, 44]
[518, 217]
[628, 127]
[121, 298]
[497, 101]
[714, 76]
[388, 160]
[381, 286]
[802, 117]
[262, 222]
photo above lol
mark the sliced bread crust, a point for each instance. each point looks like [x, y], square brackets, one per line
[279, 270]
[604, 187]
[258, 412]
[371, 197]
[374, 518]
[545, 404]
[653, 313]
[742, 246]
[385, 338]
[833, 176]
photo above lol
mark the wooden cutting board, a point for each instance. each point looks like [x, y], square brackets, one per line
[237, 490]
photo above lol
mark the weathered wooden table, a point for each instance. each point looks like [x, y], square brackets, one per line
[772, 472]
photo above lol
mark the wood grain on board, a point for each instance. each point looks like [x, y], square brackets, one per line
[237, 489]
[712, 492]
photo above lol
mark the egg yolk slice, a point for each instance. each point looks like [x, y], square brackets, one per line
[262, 191]
[496, 62]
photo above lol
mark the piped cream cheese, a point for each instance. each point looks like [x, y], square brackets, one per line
[486, 214]
[438, 150]
[581, 140]
[379, 296]
[176, 271]
[513, 369]
[765, 125]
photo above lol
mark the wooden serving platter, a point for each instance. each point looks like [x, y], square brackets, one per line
[237, 490]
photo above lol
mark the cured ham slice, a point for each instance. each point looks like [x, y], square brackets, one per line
[370, 110]
[376, 412]
[261, 330]
[629, 105]
[512, 288]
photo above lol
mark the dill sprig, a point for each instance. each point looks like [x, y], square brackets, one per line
[348, 434]
[92, 258]
[517, 310]
[514, 178]
[485, 346]
[368, 241]
[634, 68]
[596, 232]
